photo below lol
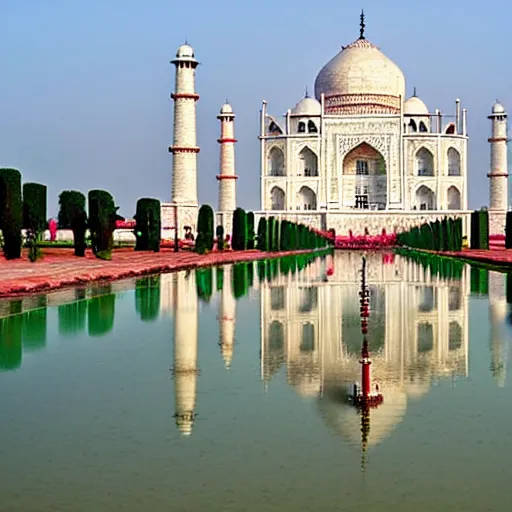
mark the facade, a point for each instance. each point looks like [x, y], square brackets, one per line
[360, 151]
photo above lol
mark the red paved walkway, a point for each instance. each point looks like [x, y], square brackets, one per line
[60, 268]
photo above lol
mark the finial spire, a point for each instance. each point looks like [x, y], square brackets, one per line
[306, 93]
[362, 25]
[414, 91]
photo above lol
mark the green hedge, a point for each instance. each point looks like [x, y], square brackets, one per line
[251, 237]
[72, 215]
[102, 223]
[444, 235]
[34, 207]
[148, 225]
[11, 212]
[262, 234]
[239, 236]
[480, 229]
[205, 221]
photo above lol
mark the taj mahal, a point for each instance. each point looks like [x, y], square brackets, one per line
[359, 156]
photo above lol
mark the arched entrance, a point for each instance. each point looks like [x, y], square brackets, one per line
[364, 173]
[276, 162]
[453, 198]
[425, 198]
[277, 198]
[308, 163]
[306, 199]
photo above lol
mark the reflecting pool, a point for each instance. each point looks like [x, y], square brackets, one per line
[225, 389]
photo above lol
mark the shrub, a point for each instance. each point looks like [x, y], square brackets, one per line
[276, 236]
[239, 238]
[262, 234]
[72, 216]
[11, 212]
[34, 207]
[204, 241]
[480, 229]
[271, 230]
[250, 231]
[147, 225]
[102, 222]
[284, 239]
[219, 233]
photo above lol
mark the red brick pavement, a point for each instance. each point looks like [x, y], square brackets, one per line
[60, 268]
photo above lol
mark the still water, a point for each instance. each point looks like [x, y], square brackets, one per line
[224, 390]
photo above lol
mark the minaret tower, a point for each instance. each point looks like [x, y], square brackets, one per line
[184, 147]
[498, 187]
[227, 315]
[185, 350]
[227, 177]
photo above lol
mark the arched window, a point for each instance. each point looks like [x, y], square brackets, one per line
[454, 336]
[312, 127]
[308, 338]
[453, 162]
[412, 126]
[425, 337]
[302, 127]
[277, 197]
[427, 299]
[423, 127]
[425, 162]
[276, 337]
[425, 198]
[454, 298]
[308, 163]
[453, 197]
[306, 199]
[276, 162]
[308, 299]
[277, 294]
[450, 129]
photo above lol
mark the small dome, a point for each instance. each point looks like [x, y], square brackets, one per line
[185, 51]
[226, 109]
[360, 68]
[415, 107]
[307, 107]
[498, 108]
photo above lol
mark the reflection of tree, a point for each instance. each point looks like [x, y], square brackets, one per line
[262, 270]
[34, 326]
[240, 280]
[219, 275]
[204, 283]
[100, 313]
[147, 297]
[10, 339]
[479, 281]
[72, 316]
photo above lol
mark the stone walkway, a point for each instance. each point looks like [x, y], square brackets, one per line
[60, 268]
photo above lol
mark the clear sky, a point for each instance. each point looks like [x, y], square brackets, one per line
[84, 89]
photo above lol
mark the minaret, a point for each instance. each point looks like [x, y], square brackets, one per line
[498, 187]
[227, 177]
[185, 350]
[184, 148]
[227, 316]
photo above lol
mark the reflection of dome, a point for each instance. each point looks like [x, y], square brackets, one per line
[360, 69]
[307, 107]
[415, 107]
[344, 419]
[308, 388]
[417, 389]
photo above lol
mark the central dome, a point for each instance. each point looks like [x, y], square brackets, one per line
[361, 80]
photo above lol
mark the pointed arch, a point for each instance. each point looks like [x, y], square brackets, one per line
[364, 169]
[454, 335]
[425, 198]
[301, 127]
[308, 162]
[453, 198]
[276, 162]
[278, 198]
[308, 338]
[425, 337]
[312, 128]
[450, 129]
[412, 126]
[424, 162]
[276, 337]
[306, 199]
[423, 127]
[453, 157]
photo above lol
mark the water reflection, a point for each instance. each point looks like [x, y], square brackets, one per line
[147, 298]
[101, 311]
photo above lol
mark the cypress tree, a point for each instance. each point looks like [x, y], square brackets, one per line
[508, 231]
[219, 233]
[239, 238]
[72, 216]
[262, 235]
[147, 225]
[102, 222]
[11, 212]
[205, 238]
[250, 231]
[271, 228]
[34, 207]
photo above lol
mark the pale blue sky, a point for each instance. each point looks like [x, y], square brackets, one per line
[84, 93]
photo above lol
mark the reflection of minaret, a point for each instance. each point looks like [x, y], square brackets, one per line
[227, 316]
[497, 314]
[185, 350]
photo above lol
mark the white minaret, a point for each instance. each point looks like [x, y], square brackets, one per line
[227, 316]
[227, 177]
[185, 350]
[498, 175]
[184, 148]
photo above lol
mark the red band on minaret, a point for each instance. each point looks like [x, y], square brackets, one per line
[226, 177]
[226, 139]
[498, 139]
[184, 95]
[183, 149]
[497, 175]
